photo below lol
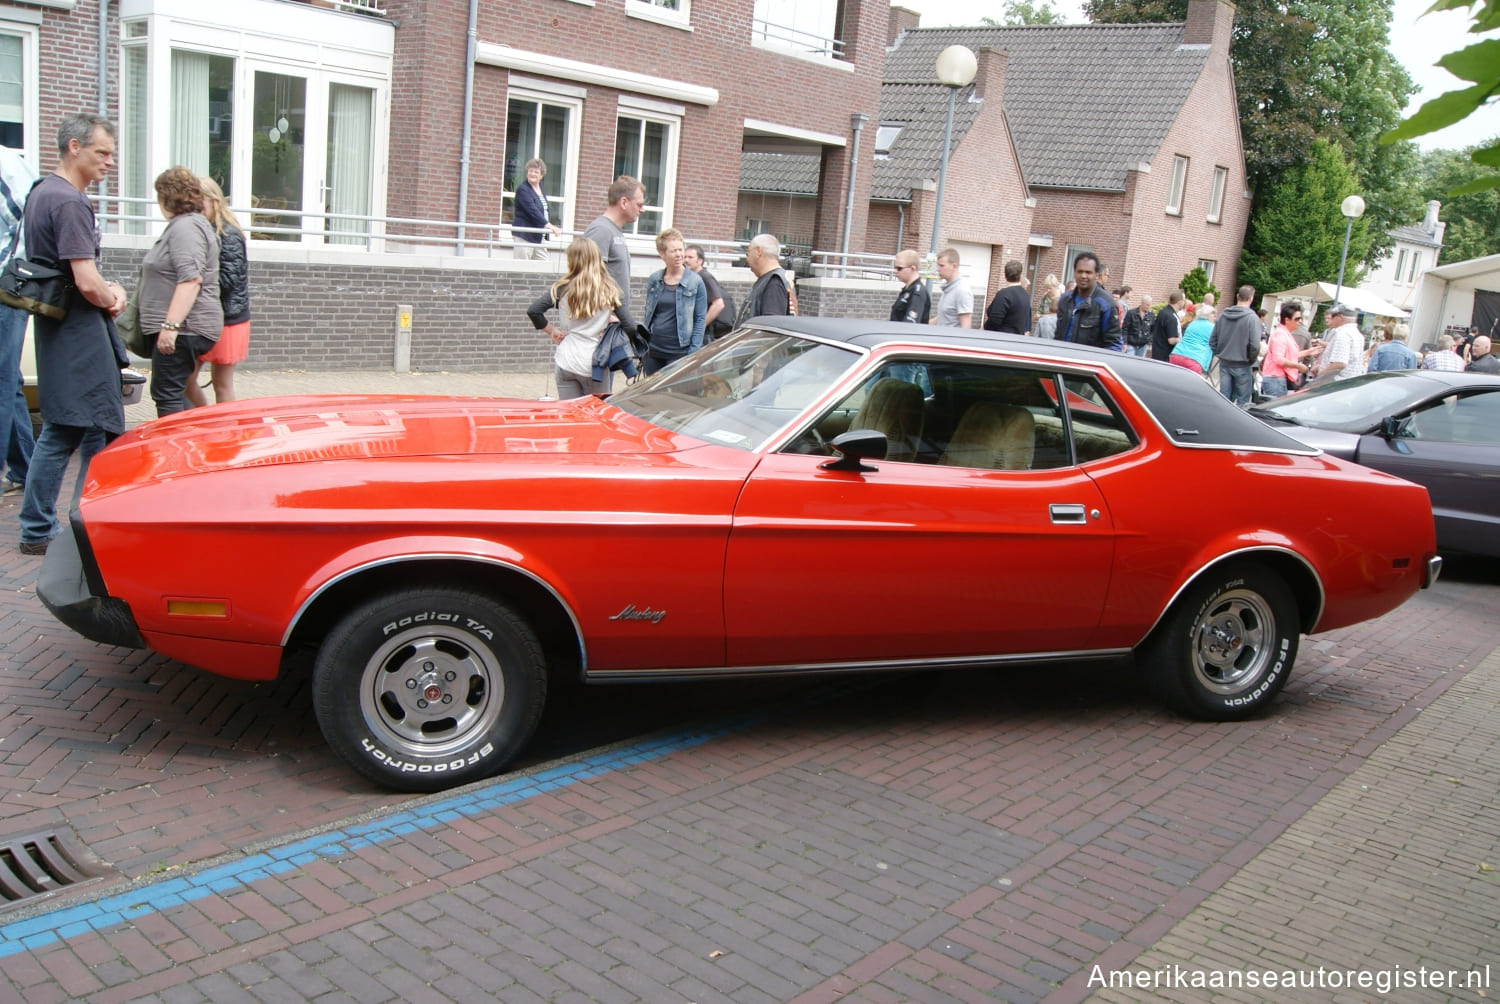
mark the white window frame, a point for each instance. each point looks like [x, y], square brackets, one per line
[1400, 263]
[1208, 269]
[17, 22]
[360, 58]
[674, 13]
[1178, 185]
[1216, 194]
[1070, 257]
[1416, 256]
[669, 115]
[573, 97]
[757, 227]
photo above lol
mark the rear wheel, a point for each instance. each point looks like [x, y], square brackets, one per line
[426, 689]
[1227, 646]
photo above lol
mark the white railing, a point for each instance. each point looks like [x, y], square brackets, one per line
[386, 234]
[853, 265]
[769, 34]
[361, 6]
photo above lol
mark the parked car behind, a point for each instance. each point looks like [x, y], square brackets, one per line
[1439, 429]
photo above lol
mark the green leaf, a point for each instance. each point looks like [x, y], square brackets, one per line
[1489, 156]
[1477, 185]
[1441, 111]
[1449, 5]
[1479, 63]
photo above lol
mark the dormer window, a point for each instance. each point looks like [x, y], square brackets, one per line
[885, 135]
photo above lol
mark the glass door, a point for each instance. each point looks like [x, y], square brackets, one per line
[544, 129]
[277, 154]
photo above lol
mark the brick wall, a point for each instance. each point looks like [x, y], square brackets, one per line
[752, 83]
[331, 310]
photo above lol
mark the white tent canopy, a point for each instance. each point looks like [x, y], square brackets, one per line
[1322, 292]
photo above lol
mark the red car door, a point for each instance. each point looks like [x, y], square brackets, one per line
[912, 561]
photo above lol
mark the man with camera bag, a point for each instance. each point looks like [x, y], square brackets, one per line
[78, 359]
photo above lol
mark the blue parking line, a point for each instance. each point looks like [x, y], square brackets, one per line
[69, 921]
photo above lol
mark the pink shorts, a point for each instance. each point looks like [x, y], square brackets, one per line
[1183, 361]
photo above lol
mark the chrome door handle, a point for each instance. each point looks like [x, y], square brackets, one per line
[1066, 512]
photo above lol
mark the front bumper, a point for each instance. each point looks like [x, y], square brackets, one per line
[71, 587]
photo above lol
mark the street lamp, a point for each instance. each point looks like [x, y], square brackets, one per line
[956, 66]
[1353, 207]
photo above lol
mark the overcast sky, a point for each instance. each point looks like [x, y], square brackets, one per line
[1418, 41]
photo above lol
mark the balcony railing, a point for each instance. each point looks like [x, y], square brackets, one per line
[771, 35]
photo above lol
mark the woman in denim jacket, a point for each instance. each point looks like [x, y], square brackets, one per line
[676, 302]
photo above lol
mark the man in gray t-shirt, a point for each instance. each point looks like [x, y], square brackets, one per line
[626, 199]
[955, 307]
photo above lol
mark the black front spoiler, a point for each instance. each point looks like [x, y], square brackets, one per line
[71, 587]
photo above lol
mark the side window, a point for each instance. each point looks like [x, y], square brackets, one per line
[954, 414]
[1098, 428]
[1474, 418]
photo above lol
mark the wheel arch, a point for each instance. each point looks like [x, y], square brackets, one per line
[1291, 567]
[545, 611]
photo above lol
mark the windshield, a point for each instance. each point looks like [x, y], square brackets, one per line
[1352, 402]
[741, 390]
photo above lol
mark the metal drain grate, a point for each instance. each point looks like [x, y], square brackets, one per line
[43, 863]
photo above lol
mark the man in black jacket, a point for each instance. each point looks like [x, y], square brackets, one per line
[771, 293]
[1087, 314]
[1010, 310]
[913, 304]
[1166, 328]
[1138, 320]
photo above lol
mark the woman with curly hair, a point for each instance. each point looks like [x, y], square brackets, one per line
[585, 296]
[234, 296]
[179, 294]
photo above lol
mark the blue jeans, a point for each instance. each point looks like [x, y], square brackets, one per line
[54, 448]
[15, 419]
[1272, 386]
[1236, 382]
[1138, 350]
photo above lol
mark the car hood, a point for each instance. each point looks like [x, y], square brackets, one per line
[308, 429]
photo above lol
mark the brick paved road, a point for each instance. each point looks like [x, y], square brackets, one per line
[958, 836]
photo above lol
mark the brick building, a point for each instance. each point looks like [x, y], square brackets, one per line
[1122, 140]
[358, 108]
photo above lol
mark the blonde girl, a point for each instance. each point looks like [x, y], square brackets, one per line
[585, 297]
[234, 294]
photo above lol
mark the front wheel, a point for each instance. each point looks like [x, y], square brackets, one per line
[1227, 646]
[426, 689]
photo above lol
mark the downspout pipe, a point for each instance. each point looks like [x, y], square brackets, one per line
[857, 123]
[900, 224]
[104, 57]
[471, 53]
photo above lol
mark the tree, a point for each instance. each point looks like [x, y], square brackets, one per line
[1026, 12]
[1195, 284]
[1296, 234]
[1305, 69]
[1473, 214]
[1480, 65]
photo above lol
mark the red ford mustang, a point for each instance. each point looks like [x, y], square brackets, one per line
[807, 495]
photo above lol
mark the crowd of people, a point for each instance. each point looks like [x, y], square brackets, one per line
[1236, 348]
[191, 305]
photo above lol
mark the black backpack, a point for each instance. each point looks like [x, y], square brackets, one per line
[724, 323]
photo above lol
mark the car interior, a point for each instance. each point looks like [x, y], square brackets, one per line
[973, 415]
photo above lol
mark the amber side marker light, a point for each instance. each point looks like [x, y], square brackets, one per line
[198, 608]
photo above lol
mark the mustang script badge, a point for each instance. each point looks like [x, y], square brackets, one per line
[632, 613]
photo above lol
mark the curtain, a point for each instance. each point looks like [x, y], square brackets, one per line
[133, 181]
[351, 125]
[189, 110]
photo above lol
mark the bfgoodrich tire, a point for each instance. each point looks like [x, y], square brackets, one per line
[426, 689]
[1226, 648]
